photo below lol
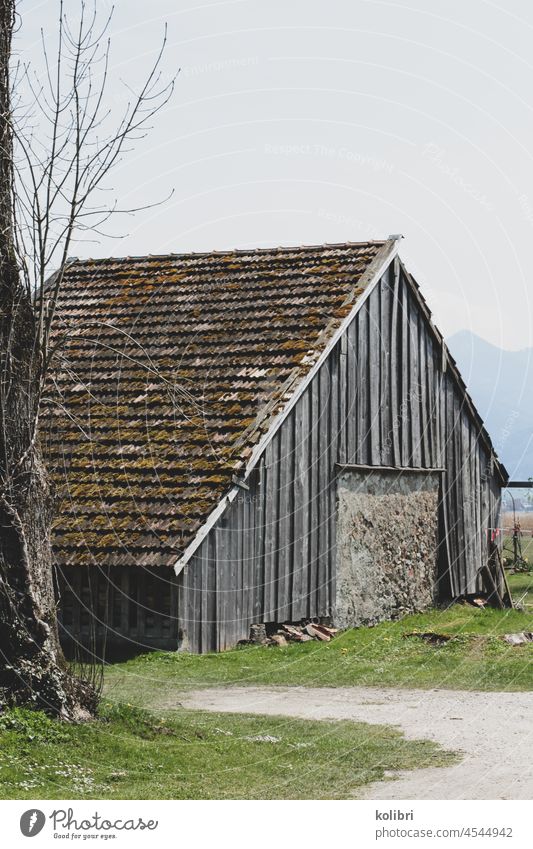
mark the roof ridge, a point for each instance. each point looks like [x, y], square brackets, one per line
[231, 251]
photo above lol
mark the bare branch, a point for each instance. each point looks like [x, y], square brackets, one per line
[67, 141]
[59, 172]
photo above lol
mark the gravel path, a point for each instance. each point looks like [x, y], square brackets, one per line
[493, 732]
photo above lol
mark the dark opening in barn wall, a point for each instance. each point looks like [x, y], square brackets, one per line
[115, 612]
[387, 544]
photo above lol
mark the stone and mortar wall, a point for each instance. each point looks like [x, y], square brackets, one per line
[386, 545]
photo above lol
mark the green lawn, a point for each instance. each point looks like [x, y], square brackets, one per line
[521, 586]
[475, 659]
[131, 754]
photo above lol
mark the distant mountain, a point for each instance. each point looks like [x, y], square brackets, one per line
[501, 385]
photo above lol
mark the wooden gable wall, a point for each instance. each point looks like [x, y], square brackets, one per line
[386, 396]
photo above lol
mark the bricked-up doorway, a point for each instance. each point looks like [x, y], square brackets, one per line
[387, 543]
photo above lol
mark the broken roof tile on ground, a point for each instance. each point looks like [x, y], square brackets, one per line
[170, 370]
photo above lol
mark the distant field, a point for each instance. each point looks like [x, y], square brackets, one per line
[525, 519]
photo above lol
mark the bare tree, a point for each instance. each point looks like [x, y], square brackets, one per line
[57, 148]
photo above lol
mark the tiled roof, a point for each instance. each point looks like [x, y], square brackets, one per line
[171, 370]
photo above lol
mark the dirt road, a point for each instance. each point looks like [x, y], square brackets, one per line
[492, 731]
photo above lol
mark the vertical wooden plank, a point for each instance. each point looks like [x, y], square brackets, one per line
[428, 424]
[314, 496]
[195, 604]
[480, 472]
[300, 556]
[182, 592]
[351, 379]
[452, 504]
[454, 497]
[374, 363]
[271, 528]
[237, 570]
[212, 605]
[385, 438]
[342, 399]
[231, 588]
[448, 462]
[475, 483]
[438, 404]
[414, 385]
[423, 405]
[403, 414]
[286, 519]
[123, 599]
[441, 417]
[189, 605]
[394, 367]
[141, 607]
[332, 490]
[259, 574]
[486, 512]
[447, 477]
[464, 433]
[184, 607]
[221, 585]
[460, 510]
[478, 517]
[470, 499]
[174, 619]
[254, 581]
[363, 377]
[73, 586]
[323, 489]
[246, 565]
[204, 599]
[470, 463]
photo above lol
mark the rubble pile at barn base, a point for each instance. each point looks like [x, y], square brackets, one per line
[273, 634]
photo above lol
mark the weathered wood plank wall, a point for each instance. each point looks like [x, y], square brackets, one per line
[386, 395]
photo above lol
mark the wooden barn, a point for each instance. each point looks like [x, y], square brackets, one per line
[259, 436]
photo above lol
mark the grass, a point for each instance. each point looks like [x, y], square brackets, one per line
[527, 548]
[144, 745]
[521, 586]
[131, 754]
[475, 659]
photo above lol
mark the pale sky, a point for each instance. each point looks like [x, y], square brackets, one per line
[303, 122]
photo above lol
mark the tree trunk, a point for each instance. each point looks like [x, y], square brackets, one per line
[32, 667]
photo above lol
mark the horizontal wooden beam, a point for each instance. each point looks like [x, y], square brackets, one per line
[518, 485]
[359, 467]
